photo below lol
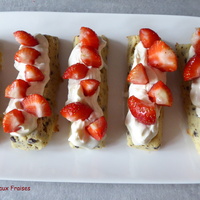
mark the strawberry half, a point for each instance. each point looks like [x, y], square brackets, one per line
[12, 120]
[161, 94]
[25, 38]
[144, 112]
[17, 89]
[148, 37]
[88, 37]
[76, 111]
[90, 56]
[97, 129]
[162, 57]
[192, 68]
[76, 71]
[138, 75]
[36, 105]
[27, 55]
[89, 86]
[195, 41]
[33, 74]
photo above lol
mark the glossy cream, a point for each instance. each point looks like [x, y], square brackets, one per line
[142, 134]
[42, 62]
[78, 136]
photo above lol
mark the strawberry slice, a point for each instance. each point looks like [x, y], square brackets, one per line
[148, 37]
[90, 56]
[89, 86]
[17, 89]
[97, 129]
[12, 120]
[161, 94]
[76, 111]
[161, 56]
[33, 74]
[37, 105]
[88, 37]
[138, 75]
[76, 71]
[25, 38]
[143, 111]
[192, 68]
[27, 55]
[195, 41]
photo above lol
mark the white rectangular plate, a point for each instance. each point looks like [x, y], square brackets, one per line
[176, 162]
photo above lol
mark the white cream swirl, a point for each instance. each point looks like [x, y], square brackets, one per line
[142, 134]
[42, 62]
[78, 136]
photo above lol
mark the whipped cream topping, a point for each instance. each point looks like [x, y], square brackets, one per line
[195, 86]
[142, 134]
[78, 136]
[42, 62]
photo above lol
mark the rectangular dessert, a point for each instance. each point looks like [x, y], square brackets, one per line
[86, 105]
[189, 64]
[149, 58]
[30, 117]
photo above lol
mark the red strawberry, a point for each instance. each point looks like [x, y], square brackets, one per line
[148, 37]
[76, 71]
[144, 112]
[192, 68]
[160, 94]
[88, 37]
[161, 56]
[12, 120]
[76, 111]
[97, 129]
[89, 86]
[27, 55]
[195, 41]
[17, 89]
[138, 75]
[25, 38]
[90, 56]
[37, 105]
[33, 74]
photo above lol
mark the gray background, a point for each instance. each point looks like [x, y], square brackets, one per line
[43, 190]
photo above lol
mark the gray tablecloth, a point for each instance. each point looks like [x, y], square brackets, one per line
[44, 190]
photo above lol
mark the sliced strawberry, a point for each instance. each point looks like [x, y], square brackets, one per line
[90, 56]
[195, 41]
[161, 94]
[138, 75]
[12, 120]
[192, 68]
[97, 129]
[25, 38]
[76, 71]
[88, 37]
[27, 55]
[144, 112]
[33, 74]
[161, 56]
[17, 89]
[148, 37]
[76, 111]
[89, 86]
[37, 105]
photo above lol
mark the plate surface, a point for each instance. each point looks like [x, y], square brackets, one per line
[176, 162]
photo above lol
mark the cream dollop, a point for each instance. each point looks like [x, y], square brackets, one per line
[78, 136]
[142, 134]
[42, 62]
